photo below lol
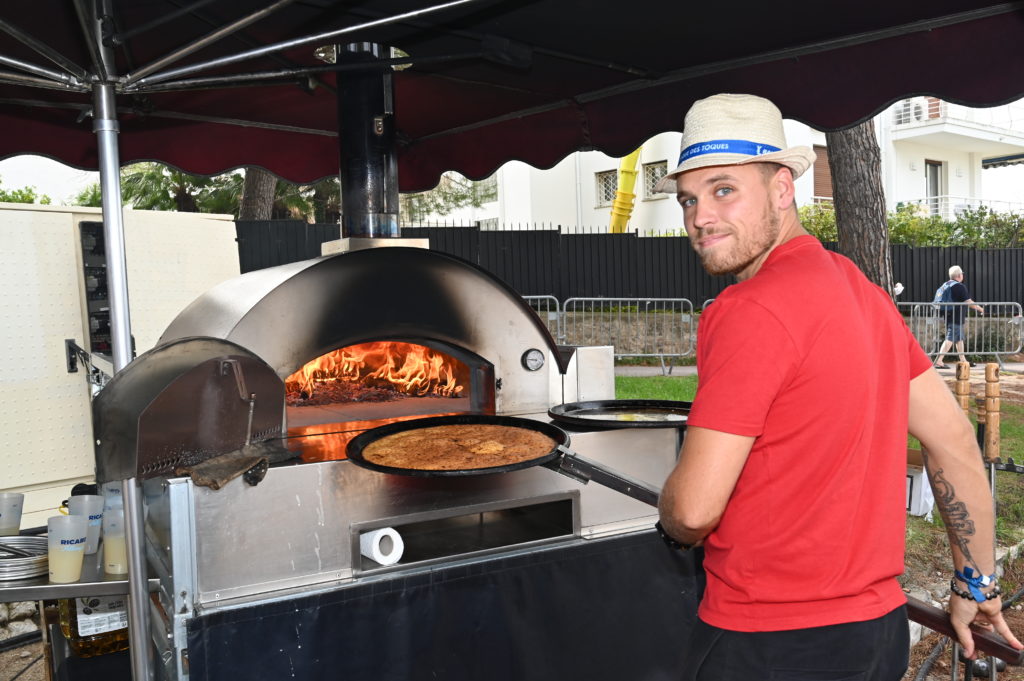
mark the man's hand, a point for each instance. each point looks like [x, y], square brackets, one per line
[987, 616]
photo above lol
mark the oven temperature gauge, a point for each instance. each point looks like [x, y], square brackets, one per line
[533, 359]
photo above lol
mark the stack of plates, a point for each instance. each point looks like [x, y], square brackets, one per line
[15, 565]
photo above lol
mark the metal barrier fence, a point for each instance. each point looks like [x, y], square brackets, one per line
[996, 333]
[550, 312]
[635, 327]
[667, 327]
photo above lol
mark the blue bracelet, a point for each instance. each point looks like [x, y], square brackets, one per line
[975, 583]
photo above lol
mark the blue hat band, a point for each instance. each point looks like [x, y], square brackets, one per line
[744, 147]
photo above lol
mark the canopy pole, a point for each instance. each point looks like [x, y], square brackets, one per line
[366, 140]
[106, 127]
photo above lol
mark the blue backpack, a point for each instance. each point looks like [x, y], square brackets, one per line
[944, 294]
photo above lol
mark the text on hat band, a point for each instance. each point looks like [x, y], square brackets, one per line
[745, 147]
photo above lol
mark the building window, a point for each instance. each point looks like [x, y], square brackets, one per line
[933, 176]
[822, 175]
[488, 224]
[652, 173]
[607, 183]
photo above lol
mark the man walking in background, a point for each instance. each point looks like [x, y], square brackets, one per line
[954, 291]
[791, 475]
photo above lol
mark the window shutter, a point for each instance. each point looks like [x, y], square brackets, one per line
[822, 174]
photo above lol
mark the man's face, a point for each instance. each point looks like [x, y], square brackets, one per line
[730, 217]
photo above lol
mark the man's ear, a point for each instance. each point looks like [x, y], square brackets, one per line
[783, 189]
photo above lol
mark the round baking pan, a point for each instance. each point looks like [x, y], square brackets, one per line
[15, 564]
[623, 414]
[356, 447]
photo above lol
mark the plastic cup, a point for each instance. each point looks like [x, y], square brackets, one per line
[90, 506]
[66, 536]
[10, 513]
[111, 492]
[115, 551]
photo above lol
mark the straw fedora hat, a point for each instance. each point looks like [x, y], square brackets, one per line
[727, 130]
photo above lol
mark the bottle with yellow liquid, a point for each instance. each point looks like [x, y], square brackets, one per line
[95, 625]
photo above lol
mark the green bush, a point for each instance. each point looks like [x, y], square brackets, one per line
[912, 226]
[915, 226]
[820, 220]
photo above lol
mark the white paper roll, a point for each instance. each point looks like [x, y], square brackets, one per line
[384, 546]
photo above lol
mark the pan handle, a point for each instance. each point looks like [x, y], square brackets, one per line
[572, 465]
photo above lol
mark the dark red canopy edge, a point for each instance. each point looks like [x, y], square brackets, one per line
[474, 127]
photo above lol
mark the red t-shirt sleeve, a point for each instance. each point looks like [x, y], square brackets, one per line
[918, 361]
[744, 358]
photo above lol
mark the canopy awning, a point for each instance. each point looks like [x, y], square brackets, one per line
[490, 80]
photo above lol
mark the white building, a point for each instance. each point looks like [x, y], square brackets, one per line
[934, 154]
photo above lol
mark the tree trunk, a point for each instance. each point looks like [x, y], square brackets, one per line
[859, 201]
[185, 202]
[257, 194]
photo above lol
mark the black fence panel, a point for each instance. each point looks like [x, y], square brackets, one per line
[266, 243]
[547, 262]
[526, 260]
[463, 242]
[995, 275]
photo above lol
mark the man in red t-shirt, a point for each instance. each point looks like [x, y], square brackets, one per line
[791, 475]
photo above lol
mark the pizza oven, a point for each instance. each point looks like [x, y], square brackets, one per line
[237, 425]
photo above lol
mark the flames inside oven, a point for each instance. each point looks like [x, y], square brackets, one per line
[334, 397]
[382, 371]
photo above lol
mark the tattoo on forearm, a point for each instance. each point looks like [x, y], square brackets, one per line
[954, 514]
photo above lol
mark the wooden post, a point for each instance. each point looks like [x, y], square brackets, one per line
[963, 386]
[992, 405]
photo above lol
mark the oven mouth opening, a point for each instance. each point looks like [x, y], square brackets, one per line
[381, 371]
[334, 397]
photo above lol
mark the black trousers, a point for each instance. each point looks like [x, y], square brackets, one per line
[875, 650]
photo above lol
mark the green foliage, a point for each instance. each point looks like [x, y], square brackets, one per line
[23, 195]
[453, 192]
[91, 197]
[152, 186]
[222, 195]
[989, 229]
[820, 220]
[913, 225]
[318, 202]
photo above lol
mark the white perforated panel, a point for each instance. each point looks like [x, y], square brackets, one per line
[44, 410]
[172, 258]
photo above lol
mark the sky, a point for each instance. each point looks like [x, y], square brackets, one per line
[56, 180]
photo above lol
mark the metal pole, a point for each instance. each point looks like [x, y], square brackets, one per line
[366, 140]
[106, 128]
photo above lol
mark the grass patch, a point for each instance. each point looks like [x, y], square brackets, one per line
[1011, 432]
[680, 388]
